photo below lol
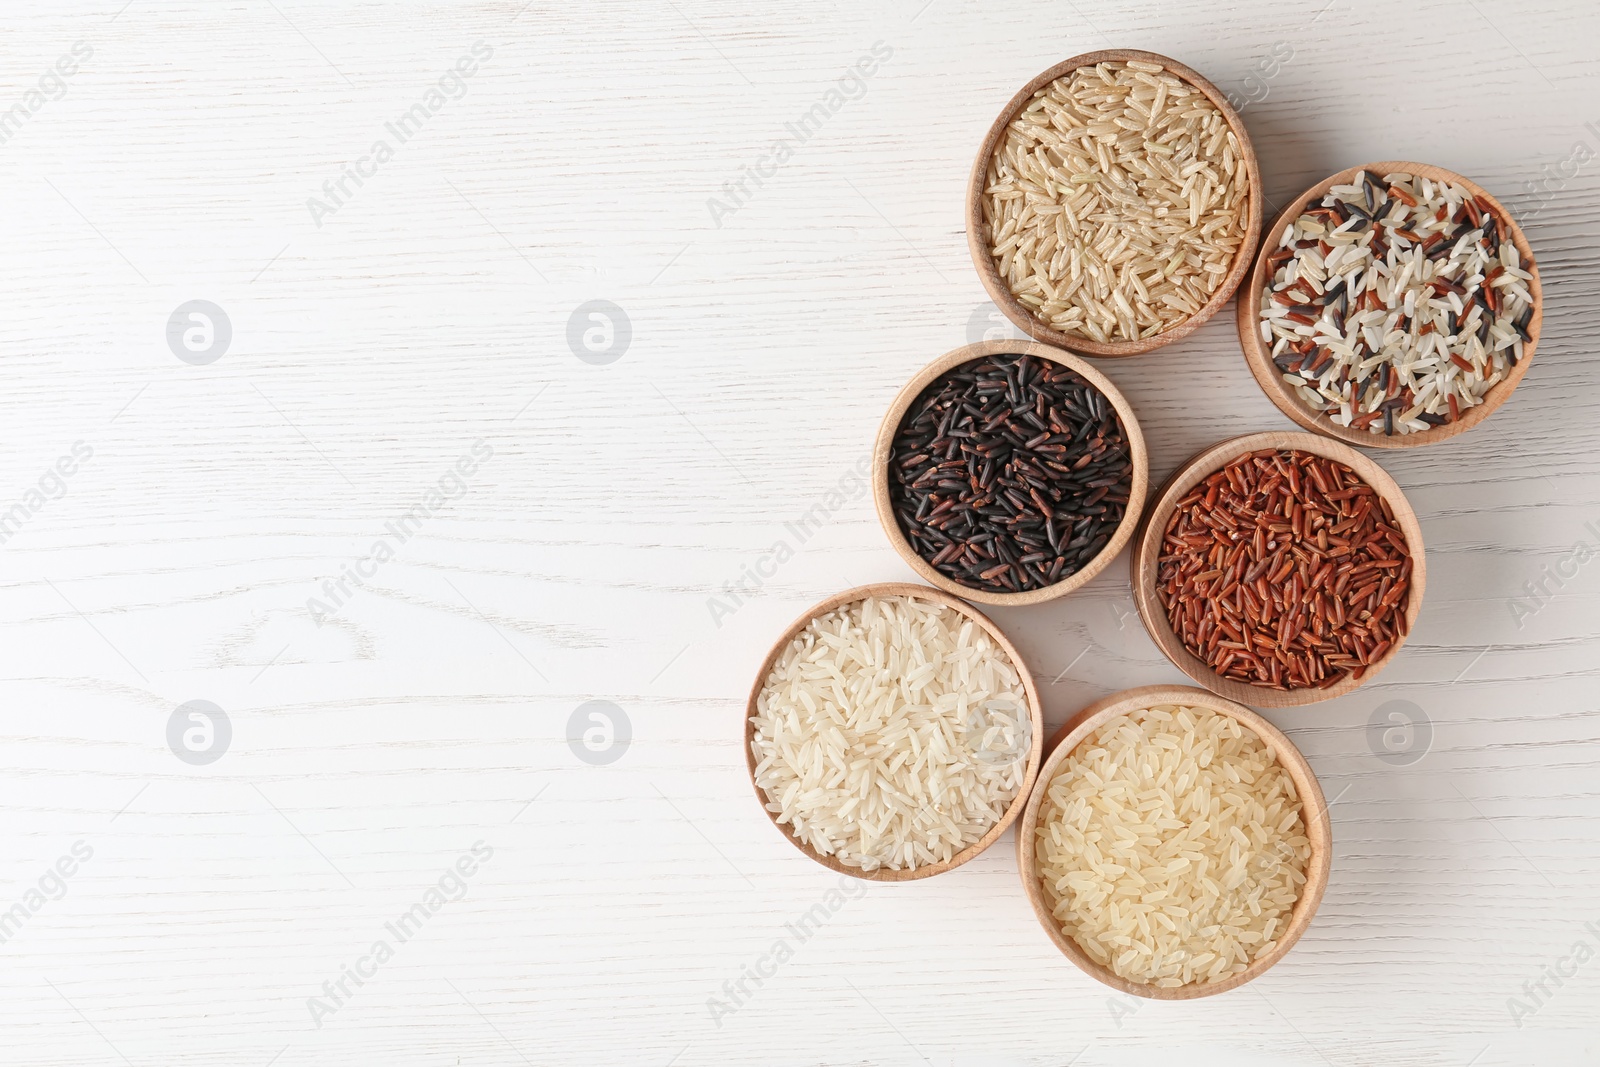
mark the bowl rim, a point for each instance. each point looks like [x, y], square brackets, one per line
[1000, 293]
[1146, 550]
[1258, 355]
[1319, 831]
[889, 427]
[1029, 688]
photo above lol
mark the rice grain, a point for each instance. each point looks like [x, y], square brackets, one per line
[1171, 847]
[892, 732]
[1396, 304]
[1116, 202]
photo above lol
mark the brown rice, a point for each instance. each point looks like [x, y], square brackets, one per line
[1116, 202]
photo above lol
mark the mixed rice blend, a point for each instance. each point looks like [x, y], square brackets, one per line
[1396, 304]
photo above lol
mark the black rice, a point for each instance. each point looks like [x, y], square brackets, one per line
[1010, 473]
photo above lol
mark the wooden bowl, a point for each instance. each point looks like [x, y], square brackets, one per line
[1147, 549]
[978, 241]
[1259, 354]
[1035, 720]
[1314, 813]
[885, 446]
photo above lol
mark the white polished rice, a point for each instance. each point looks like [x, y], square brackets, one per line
[1116, 202]
[1171, 847]
[892, 732]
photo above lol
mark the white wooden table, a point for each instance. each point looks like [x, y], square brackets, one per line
[556, 530]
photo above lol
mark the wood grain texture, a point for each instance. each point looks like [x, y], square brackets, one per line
[620, 542]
